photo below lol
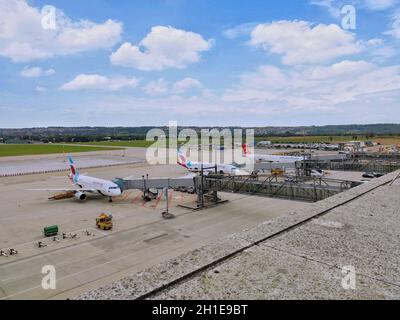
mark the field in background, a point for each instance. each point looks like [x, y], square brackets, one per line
[331, 139]
[384, 140]
[387, 140]
[132, 143]
[34, 149]
[7, 150]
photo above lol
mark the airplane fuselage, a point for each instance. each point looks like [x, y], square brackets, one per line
[272, 158]
[85, 184]
[104, 187]
[208, 167]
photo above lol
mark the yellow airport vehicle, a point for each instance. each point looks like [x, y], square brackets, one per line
[277, 172]
[104, 221]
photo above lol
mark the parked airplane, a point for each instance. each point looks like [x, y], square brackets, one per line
[86, 184]
[268, 157]
[207, 167]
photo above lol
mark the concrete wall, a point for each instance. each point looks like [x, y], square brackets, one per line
[172, 274]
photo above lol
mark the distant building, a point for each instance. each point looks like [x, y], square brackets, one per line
[18, 141]
[370, 143]
[351, 146]
[264, 144]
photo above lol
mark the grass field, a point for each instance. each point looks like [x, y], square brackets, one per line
[331, 139]
[132, 143]
[384, 140]
[32, 149]
[7, 150]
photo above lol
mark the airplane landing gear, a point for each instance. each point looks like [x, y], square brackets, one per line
[110, 199]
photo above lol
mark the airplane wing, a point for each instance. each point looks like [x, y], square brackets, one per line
[65, 190]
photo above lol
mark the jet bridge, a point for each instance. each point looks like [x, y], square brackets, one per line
[207, 186]
[287, 187]
[146, 183]
[382, 166]
[268, 166]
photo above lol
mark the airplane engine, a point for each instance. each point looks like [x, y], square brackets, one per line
[80, 196]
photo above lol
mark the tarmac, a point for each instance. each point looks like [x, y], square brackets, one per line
[14, 166]
[186, 256]
[344, 247]
[141, 238]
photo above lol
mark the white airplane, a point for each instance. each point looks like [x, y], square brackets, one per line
[207, 167]
[86, 184]
[268, 157]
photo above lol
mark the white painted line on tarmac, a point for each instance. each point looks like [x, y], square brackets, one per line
[69, 245]
[71, 275]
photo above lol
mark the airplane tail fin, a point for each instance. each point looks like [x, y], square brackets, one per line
[181, 158]
[245, 149]
[74, 173]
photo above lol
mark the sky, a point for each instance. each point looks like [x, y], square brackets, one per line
[199, 62]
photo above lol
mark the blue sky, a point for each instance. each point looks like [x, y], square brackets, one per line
[246, 63]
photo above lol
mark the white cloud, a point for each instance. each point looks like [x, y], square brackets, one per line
[161, 87]
[383, 53]
[334, 6]
[239, 30]
[98, 82]
[317, 87]
[50, 72]
[186, 84]
[156, 87]
[40, 89]
[299, 42]
[36, 72]
[330, 5]
[164, 47]
[395, 28]
[23, 39]
[85, 35]
[379, 50]
[284, 92]
[22, 52]
[376, 5]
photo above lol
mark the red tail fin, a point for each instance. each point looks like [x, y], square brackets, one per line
[181, 158]
[71, 165]
[244, 148]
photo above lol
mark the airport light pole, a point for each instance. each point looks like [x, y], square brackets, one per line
[167, 197]
[166, 214]
[215, 192]
[202, 187]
